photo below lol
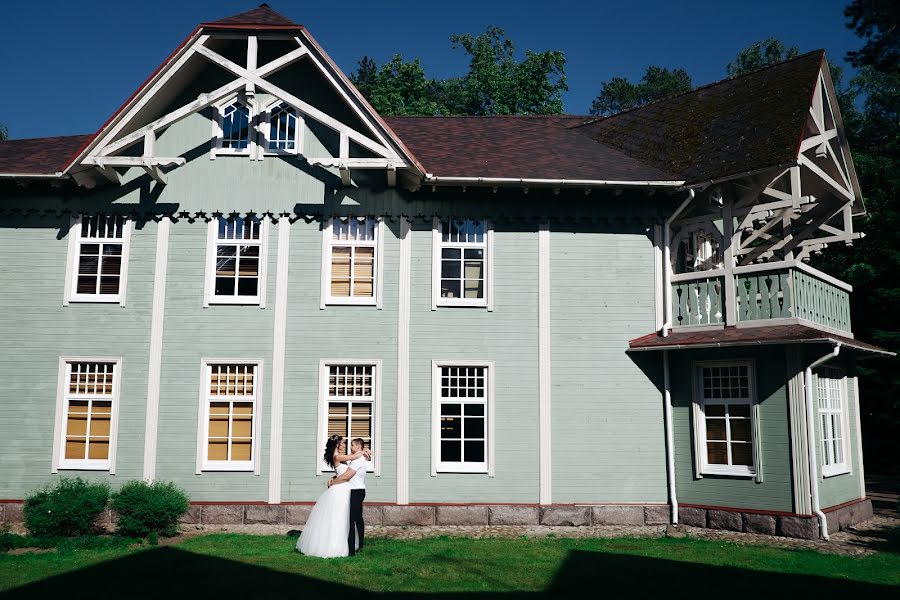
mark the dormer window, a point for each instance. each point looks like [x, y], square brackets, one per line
[233, 128]
[282, 135]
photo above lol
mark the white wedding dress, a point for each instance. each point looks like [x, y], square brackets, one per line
[328, 526]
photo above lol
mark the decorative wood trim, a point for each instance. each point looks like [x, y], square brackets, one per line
[403, 345]
[154, 371]
[279, 344]
[211, 236]
[325, 270]
[545, 366]
[489, 292]
[658, 276]
[435, 261]
[379, 265]
[263, 272]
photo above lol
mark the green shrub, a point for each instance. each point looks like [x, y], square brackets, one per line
[69, 509]
[149, 508]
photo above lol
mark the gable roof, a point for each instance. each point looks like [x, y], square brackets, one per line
[262, 15]
[725, 128]
[517, 147]
[39, 156]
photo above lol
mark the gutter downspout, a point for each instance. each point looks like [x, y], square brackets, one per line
[670, 440]
[667, 266]
[811, 439]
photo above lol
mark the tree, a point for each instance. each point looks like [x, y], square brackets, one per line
[876, 21]
[760, 54]
[4, 132]
[658, 83]
[496, 83]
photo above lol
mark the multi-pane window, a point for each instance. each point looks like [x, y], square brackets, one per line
[101, 243]
[238, 256]
[461, 408]
[282, 130]
[352, 264]
[89, 397]
[350, 403]
[231, 408]
[235, 126]
[462, 268]
[725, 420]
[832, 421]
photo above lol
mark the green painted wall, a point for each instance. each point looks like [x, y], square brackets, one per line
[838, 489]
[774, 493]
[607, 436]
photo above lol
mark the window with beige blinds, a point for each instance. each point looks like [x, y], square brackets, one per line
[231, 409]
[352, 266]
[350, 404]
[89, 397]
[100, 255]
[238, 256]
[725, 422]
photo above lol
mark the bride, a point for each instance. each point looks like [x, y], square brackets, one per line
[328, 526]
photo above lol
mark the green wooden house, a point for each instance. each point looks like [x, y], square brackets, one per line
[532, 319]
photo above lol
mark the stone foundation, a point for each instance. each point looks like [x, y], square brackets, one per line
[415, 515]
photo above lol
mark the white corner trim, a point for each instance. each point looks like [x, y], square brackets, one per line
[379, 265]
[658, 275]
[435, 261]
[154, 371]
[70, 260]
[263, 284]
[325, 270]
[403, 362]
[278, 356]
[489, 292]
[859, 449]
[211, 235]
[544, 366]
[126, 253]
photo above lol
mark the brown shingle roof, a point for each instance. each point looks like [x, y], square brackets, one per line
[39, 156]
[747, 336]
[532, 147]
[725, 128]
[261, 15]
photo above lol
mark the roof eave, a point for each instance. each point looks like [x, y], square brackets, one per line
[707, 345]
[431, 179]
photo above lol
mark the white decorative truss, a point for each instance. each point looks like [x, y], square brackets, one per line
[108, 150]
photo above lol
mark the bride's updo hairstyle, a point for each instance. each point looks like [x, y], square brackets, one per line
[330, 446]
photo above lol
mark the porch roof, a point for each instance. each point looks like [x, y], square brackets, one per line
[749, 336]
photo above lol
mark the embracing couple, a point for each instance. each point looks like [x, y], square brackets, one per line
[335, 526]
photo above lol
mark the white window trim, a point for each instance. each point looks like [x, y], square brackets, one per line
[437, 466]
[436, 245]
[70, 294]
[212, 240]
[845, 467]
[325, 294]
[701, 466]
[59, 462]
[218, 133]
[265, 124]
[252, 465]
[373, 466]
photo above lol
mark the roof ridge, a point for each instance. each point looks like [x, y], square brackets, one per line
[548, 116]
[705, 86]
[262, 15]
[46, 137]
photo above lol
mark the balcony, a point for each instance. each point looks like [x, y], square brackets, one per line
[771, 293]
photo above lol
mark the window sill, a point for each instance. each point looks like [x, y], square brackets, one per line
[83, 465]
[247, 467]
[460, 303]
[94, 300]
[351, 302]
[243, 301]
[478, 469]
[835, 471]
[728, 472]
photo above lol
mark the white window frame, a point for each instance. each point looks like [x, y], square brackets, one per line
[438, 466]
[266, 127]
[203, 464]
[702, 466]
[218, 128]
[437, 244]
[374, 465]
[59, 462]
[328, 242]
[74, 254]
[843, 467]
[212, 241]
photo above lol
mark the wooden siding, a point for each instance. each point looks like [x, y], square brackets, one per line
[841, 488]
[774, 492]
[607, 433]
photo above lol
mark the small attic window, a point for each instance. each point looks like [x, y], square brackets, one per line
[233, 128]
[282, 133]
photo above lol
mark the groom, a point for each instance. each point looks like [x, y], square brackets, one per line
[356, 475]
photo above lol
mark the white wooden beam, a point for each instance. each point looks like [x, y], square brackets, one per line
[156, 173]
[826, 178]
[815, 140]
[392, 177]
[110, 174]
[137, 161]
[249, 88]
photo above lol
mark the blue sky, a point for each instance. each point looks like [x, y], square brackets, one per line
[68, 65]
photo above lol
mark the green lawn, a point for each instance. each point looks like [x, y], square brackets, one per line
[250, 567]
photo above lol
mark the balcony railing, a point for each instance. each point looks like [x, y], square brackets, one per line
[788, 290]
